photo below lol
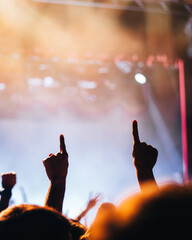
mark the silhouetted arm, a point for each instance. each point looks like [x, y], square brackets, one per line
[56, 167]
[92, 202]
[144, 158]
[8, 182]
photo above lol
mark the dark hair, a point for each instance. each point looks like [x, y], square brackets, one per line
[33, 222]
[161, 214]
[153, 214]
[77, 229]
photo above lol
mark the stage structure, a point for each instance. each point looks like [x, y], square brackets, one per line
[87, 69]
[175, 8]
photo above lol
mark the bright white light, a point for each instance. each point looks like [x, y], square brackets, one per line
[48, 81]
[140, 78]
[124, 66]
[103, 70]
[87, 84]
[35, 82]
[2, 86]
[42, 67]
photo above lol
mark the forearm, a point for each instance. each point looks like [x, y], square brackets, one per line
[145, 176]
[55, 195]
[82, 214]
[5, 197]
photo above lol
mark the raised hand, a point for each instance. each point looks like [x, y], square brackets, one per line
[144, 157]
[56, 166]
[8, 180]
[93, 201]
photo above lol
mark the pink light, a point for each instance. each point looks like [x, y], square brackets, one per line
[183, 119]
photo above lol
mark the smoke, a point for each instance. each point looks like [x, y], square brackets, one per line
[63, 29]
[36, 39]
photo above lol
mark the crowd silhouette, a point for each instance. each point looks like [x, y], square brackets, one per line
[155, 212]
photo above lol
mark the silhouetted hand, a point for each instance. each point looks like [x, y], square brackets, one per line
[56, 166]
[92, 202]
[144, 156]
[8, 180]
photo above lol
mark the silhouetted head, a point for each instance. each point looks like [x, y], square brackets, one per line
[77, 229]
[103, 223]
[160, 214]
[153, 214]
[34, 222]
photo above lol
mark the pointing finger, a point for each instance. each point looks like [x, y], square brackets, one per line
[62, 144]
[135, 132]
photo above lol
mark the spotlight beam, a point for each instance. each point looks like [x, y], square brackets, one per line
[161, 128]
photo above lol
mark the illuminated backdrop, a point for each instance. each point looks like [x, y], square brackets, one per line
[71, 70]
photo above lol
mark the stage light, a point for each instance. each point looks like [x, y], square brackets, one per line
[87, 84]
[35, 81]
[42, 67]
[124, 66]
[140, 78]
[103, 70]
[48, 81]
[2, 86]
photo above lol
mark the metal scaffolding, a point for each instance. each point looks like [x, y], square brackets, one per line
[176, 7]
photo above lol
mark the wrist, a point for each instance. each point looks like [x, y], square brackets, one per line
[6, 192]
[144, 171]
[145, 174]
[58, 181]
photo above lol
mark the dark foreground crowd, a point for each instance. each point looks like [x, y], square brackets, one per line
[155, 213]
